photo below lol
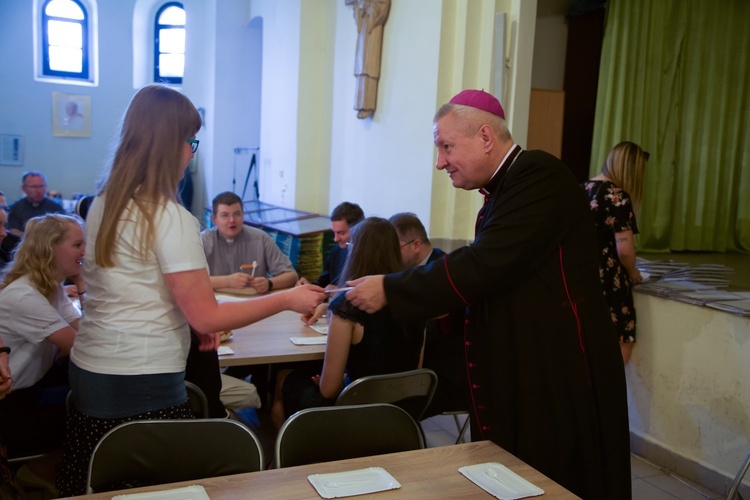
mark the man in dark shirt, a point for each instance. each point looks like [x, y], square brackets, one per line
[444, 335]
[34, 204]
[343, 218]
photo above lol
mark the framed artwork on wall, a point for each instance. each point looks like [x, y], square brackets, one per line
[71, 115]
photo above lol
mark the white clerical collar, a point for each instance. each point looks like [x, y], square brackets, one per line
[511, 151]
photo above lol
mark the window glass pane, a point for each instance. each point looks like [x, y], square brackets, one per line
[172, 15]
[172, 65]
[65, 59]
[64, 8]
[172, 40]
[65, 34]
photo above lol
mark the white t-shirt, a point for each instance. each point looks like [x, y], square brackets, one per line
[131, 324]
[28, 319]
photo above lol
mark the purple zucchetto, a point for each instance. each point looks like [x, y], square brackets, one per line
[479, 99]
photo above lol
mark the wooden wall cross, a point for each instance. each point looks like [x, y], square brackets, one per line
[370, 17]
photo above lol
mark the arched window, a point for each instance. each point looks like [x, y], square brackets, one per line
[169, 43]
[65, 39]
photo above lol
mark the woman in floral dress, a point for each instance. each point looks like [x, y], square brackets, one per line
[615, 196]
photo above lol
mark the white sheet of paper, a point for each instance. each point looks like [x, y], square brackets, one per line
[321, 328]
[308, 340]
[196, 492]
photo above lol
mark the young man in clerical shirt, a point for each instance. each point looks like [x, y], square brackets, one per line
[231, 244]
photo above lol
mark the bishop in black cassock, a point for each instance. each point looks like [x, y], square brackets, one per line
[546, 377]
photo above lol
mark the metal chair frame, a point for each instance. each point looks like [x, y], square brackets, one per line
[460, 428]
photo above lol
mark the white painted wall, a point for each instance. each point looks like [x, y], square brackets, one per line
[199, 83]
[280, 81]
[550, 44]
[688, 394]
[236, 114]
[385, 163]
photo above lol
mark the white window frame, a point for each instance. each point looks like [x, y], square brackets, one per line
[93, 46]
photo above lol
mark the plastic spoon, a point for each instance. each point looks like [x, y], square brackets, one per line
[494, 475]
[336, 484]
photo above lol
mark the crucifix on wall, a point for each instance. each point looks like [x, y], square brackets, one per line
[370, 17]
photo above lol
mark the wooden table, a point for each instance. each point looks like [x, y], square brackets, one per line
[267, 341]
[430, 473]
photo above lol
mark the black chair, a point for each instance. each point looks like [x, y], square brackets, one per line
[340, 432]
[411, 390]
[147, 452]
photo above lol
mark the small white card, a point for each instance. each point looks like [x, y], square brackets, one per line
[224, 350]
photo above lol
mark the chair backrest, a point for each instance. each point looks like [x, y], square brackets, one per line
[411, 390]
[197, 399]
[340, 432]
[147, 452]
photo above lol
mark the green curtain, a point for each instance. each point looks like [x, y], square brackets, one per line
[674, 79]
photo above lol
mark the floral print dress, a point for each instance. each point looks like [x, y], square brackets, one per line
[613, 213]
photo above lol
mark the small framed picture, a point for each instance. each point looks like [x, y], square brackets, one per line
[71, 115]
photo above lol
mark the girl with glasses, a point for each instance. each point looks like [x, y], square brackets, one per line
[147, 285]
